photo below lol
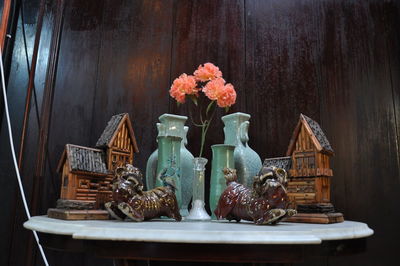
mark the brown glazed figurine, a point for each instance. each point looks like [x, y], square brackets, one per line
[129, 199]
[265, 203]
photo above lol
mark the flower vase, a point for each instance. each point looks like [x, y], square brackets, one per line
[186, 174]
[173, 125]
[247, 161]
[222, 157]
[151, 166]
[168, 164]
[198, 212]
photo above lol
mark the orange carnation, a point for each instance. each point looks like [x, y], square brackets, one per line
[216, 90]
[227, 96]
[207, 72]
[213, 88]
[182, 86]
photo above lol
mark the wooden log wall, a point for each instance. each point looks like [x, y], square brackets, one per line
[338, 62]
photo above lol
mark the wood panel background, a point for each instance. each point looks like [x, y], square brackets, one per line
[335, 61]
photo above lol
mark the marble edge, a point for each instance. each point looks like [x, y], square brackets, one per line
[305, 235]
[361, 230]
[176, 236]
[43, 226]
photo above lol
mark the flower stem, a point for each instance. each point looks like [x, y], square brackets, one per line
[203, 137]
[204, 130]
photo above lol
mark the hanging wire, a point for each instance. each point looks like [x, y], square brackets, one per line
[21, 188]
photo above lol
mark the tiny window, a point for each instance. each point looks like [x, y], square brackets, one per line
[311, 162]
[65, 183]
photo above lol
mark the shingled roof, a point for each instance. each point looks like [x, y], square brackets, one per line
[280, 162]
[111, 130]
[317, 135]
[84, 159]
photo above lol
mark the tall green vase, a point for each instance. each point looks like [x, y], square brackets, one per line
[168, 163]
[247, 161]
[151, 166]
[222, 156]
[173, 125]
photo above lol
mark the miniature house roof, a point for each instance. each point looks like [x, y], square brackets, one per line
[316, 134]
[280, 162]
[84, 159]
[107, 137]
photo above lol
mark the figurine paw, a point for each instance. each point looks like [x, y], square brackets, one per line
[127, 210]
[290, 212]
[113, 210]
[272, 217]
[276, 214]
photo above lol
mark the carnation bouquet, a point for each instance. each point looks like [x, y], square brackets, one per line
[207, 90]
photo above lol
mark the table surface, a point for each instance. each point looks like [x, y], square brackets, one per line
[214, 232]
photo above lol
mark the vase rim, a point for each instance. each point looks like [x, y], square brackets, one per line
[171, 137]
[223, 145]
[177, 117]
[237, 114]
[200, 159]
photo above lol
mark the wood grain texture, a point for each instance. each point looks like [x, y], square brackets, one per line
[358, 112]
[133, 74]
[281, 70]
[337, 62]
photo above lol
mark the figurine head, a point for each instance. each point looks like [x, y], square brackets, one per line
[269, 177]
[131, 177]
[229, 174]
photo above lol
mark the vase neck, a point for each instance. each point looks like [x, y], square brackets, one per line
[199, 163]
[236, 128]
[172, 125]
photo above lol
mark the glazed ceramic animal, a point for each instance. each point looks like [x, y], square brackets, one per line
[129, 199]
[265, 203]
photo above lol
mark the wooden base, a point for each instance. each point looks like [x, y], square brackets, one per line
[75, 204]
[65, 214]
[316, 218]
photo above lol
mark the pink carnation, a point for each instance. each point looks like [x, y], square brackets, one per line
[227, 96]
[214, 88]
[182, 86]
[207, 72]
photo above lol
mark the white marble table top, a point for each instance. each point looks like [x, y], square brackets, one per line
[214, 232]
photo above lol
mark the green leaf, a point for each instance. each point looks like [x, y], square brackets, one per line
[194, 99]
[178, 104]
[226, 109]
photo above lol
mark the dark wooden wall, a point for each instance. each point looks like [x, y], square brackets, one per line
[335, 61]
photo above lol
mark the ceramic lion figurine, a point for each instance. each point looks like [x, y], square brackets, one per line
[129, 199]
[265, 203]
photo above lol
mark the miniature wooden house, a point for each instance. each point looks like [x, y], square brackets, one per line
[87, 172]
[84, 173]
[310, 170]
[118, 141]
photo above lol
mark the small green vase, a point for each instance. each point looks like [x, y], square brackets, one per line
[222, 156]
[168, 163]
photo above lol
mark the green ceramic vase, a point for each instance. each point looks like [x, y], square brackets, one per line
[168, 163]
[247, 161]
[173, 125]
[222, 156]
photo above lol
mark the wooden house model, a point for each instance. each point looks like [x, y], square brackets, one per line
[87, 172]
[310, 171]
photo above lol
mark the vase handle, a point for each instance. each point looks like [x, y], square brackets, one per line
[244, 132]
